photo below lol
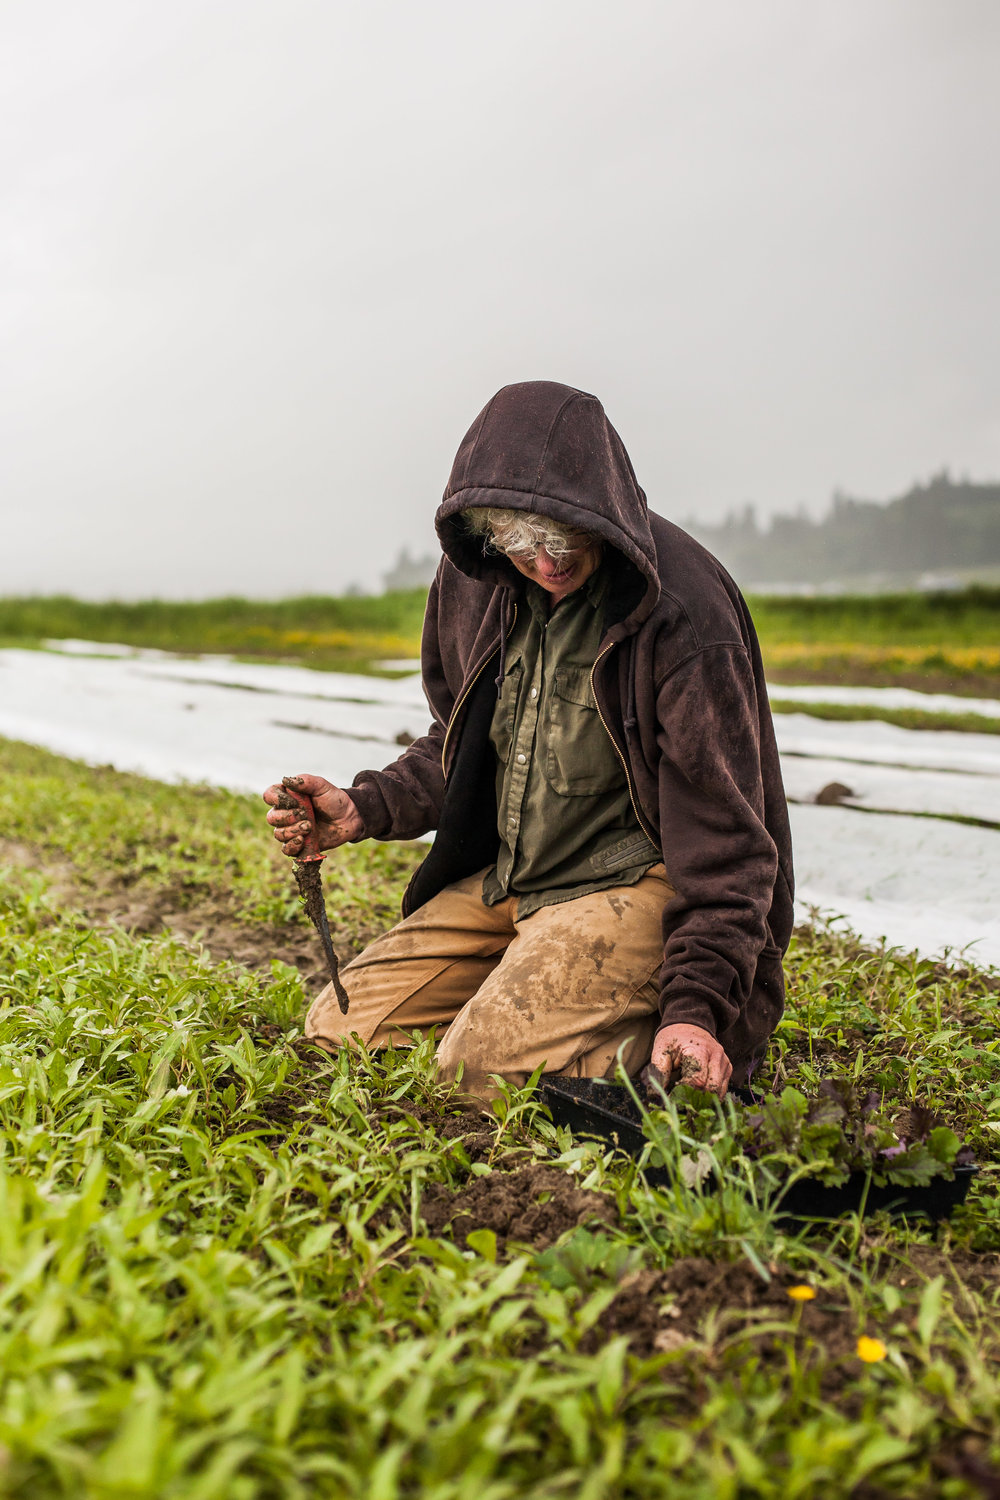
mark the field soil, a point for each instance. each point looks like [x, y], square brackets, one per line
[111, 898]
[237, 1265]
[962, 685]
[535, 1204]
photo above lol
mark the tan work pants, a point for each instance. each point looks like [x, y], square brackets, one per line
[565, 986]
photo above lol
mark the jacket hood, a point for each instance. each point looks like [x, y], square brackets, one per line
[546, 448]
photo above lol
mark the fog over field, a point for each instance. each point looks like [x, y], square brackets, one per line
[261, 266]
[264, 263]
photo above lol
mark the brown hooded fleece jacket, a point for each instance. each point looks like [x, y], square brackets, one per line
[679, 685]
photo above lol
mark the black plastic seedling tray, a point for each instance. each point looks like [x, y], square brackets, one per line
[591, 1106]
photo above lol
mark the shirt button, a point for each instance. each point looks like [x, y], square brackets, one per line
[534, 692]
[521, 759]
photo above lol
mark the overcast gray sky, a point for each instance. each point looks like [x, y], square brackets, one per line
[263, 262]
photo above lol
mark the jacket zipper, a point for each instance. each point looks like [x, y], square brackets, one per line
[465, 693]
[628, 779]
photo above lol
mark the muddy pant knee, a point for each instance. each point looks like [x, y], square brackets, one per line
[458, 1052]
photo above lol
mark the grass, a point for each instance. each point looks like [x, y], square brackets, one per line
[972, 670]
[967, 619]
[347, 634]
[941, 642]
[944, 641]
[233, 1267]
[122, 839]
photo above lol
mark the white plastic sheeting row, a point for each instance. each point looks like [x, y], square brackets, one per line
[890, 698]
[234, 725]
[924, 882]
[892, 770]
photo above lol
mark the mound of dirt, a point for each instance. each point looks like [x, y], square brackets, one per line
[534, 1205]
[833, 794]
[474, 1128]
[697, 1300]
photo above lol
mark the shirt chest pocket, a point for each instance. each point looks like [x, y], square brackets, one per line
[505, 713]
[579, 758]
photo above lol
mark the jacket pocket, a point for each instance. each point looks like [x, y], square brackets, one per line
[631, 850]
[580, 760]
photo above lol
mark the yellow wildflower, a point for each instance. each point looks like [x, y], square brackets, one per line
[801, 1293]
[871, 1350]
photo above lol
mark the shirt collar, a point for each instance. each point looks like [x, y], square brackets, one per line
[593, 591]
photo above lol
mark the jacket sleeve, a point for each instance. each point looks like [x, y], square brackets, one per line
[720, 858]
[404, 800]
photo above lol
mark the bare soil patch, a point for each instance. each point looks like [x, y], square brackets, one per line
[968, 685]
[533, 1205]
[58, 872]
[213, 925]
[475, 1130]
[107, 899]
[700, 1302]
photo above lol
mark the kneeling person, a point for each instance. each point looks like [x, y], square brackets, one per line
[612, 867]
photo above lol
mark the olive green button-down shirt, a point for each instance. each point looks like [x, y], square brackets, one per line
[565, 817]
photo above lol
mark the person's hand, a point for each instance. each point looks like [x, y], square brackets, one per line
[337, 819]
[688, 1054]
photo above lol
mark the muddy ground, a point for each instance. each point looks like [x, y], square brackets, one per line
[964, 685]
[533, 1205]
[109, 898]
[694, 1302]
[526, 1203]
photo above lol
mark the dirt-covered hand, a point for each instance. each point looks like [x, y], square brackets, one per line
[688, 1054]
[337, 819]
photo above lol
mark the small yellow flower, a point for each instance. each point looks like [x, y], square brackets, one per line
[801, 1293]
[871, 1350]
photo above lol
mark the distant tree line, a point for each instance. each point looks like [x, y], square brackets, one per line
[944, 524]
[410, 572]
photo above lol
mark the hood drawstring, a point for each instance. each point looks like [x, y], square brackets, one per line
[503, 649]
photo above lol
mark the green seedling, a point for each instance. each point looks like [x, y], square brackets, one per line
[217, 1278]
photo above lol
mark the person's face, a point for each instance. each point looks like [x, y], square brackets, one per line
[561, 576]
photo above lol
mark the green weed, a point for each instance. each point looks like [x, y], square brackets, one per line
[345, 633]
[217, 1277]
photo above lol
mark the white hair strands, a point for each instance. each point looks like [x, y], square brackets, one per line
[518, 533]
